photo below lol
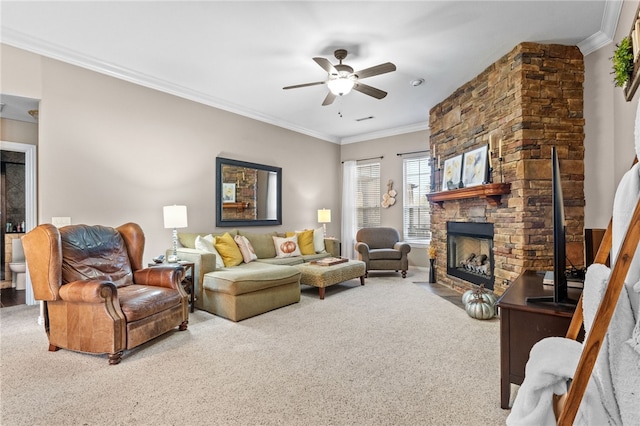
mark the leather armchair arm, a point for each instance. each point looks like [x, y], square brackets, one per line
[168, 276]
[88, 291]
[363, 249]
[403, 247]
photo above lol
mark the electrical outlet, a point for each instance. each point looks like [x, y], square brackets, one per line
[59, 222]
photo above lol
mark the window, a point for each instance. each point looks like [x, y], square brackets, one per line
[368, 196]
[416, 211]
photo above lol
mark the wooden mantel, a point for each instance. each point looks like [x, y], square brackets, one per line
[238, 206]
[493, 192]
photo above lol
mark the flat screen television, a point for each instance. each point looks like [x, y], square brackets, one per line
[560, 286]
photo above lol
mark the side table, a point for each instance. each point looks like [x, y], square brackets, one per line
[187, 279]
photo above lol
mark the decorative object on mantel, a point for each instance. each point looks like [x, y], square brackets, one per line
[432, 264]
[474, 170]
[499, 135]
[452, 177]
[389, 198]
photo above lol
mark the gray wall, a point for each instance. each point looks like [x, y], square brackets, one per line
[111, 152]
[391, 168]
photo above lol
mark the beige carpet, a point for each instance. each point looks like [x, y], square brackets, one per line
[388, 353]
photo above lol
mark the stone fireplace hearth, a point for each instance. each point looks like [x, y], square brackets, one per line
[531, 99]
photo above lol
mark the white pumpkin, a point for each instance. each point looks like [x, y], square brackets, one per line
[479, 308]
[481, 292]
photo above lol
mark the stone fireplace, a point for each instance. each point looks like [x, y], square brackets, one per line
[470, 252]
[528, 101]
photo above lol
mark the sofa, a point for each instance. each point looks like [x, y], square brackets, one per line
[261, 280]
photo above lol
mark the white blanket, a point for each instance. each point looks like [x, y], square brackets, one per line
[551, 364]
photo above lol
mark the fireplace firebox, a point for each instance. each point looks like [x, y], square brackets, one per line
[470, 252]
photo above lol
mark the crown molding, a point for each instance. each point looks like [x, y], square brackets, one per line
[53, 51]
[610, 18]
[417, 127]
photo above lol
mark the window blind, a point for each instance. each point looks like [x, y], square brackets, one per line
[368, 196]
[416, 210]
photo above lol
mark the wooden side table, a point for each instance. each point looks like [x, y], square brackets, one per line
[523, 324]
[187, 279]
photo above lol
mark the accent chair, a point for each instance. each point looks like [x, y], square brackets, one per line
[381, 249]
[97, 296]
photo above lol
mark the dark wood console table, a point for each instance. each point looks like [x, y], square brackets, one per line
[523, 324]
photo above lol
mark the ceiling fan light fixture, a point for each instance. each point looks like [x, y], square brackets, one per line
[341, 85]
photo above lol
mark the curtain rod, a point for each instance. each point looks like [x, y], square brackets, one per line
[413, 152]
[365, 159]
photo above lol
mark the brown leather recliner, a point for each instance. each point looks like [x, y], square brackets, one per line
[98, 298]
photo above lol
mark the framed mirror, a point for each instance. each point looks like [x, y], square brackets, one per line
[247, 194]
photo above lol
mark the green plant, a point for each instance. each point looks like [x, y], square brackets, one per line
[623, 62]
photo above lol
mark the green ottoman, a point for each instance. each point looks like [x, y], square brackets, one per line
[324, 276]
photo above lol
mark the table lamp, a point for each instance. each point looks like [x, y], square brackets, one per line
[175, 217]
[324, 217]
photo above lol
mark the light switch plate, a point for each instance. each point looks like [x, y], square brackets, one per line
[59, 222]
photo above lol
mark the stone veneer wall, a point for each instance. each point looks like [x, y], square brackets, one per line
[532, 98]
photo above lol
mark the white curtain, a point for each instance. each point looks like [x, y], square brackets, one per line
[349, 212]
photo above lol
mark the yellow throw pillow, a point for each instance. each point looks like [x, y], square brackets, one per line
[228, 249]
[305, 241]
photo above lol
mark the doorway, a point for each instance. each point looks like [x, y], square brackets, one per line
[30, 200]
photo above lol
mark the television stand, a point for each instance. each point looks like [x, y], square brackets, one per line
[523, 324]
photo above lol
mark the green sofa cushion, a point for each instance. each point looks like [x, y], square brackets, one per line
[262, 243]
[249, 277]
[188, 239]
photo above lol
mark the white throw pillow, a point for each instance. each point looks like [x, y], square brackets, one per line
[318, 240]
[206, 244]
[287, 247]
[248, 254]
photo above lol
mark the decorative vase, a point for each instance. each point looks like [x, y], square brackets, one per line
[432, 271]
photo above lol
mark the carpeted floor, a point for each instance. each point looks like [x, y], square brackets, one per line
[389, 353]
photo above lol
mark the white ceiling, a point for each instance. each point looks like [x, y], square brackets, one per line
[237, 55]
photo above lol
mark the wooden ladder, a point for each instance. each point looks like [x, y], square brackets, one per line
[566, 406]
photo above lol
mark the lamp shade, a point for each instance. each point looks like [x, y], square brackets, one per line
[324, 216]
[175, 216]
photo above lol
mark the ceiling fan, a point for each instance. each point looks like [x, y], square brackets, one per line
[341, 78]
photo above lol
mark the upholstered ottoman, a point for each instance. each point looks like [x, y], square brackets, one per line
[324, 276]
[250, 289]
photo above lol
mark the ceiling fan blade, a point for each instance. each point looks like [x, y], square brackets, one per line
[329, 99]
[326, 65]
[304, 85]
[377, 70]
[368, 90]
